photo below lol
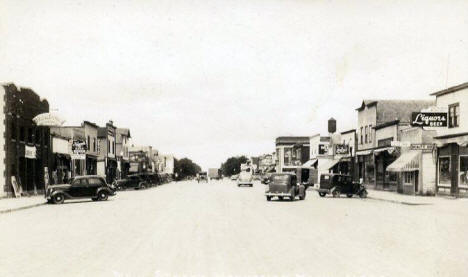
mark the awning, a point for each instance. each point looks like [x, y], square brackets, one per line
[364, 152]
[327, 164]
[460, 140]
[408, 161]
[310, 163]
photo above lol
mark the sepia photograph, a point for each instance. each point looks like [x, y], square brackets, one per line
[256, 138]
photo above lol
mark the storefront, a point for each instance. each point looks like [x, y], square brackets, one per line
[91, 164]
[365, 160]
[111, 170]
[452, 166]
[383, 158]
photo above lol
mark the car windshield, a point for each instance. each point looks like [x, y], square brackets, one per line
[281, 178]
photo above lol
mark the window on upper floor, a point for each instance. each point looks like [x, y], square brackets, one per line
[370, 133]
[108, 146]
[365, 140]
[362, 141]
[454, 115]
[88, 144]
[94, 144]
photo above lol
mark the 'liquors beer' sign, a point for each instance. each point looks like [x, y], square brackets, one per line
[429, 119]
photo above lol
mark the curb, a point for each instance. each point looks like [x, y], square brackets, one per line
[21, 208]
[399, 202]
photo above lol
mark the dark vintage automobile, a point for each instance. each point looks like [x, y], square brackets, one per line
[284, 185]
[134, 181]
[91, 186]
[152, 179]
[202, 177]
[337, 184]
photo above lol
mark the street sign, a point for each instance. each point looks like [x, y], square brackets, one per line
[423, 147]
[341, 149]
[29, 152]
[429, 119]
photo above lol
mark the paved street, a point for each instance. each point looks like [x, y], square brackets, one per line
[220, 229]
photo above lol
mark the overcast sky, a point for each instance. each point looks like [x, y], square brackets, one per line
[211, 79]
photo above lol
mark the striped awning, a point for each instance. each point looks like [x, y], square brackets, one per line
[327, 164]
[408, 161]
[364, 152]
[310, 163]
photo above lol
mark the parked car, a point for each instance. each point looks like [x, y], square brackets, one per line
[151, 178]
[91, 186]
[337, 184]
[245, 179]
[134, 181]
[265, 179]
[202, 177]
[284, 185]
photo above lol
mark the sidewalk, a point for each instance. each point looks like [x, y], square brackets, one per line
[8, 205]
[394, 197]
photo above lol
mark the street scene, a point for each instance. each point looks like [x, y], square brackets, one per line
[233, 138]
[232, 231]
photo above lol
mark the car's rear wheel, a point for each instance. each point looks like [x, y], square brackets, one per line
[349, 195]
[268, 198]
[142, 186]
[58, 198]
[336, 192]
[322, 194]
[363, 194]
[103, 195]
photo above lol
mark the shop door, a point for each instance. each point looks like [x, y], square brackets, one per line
[416, 181]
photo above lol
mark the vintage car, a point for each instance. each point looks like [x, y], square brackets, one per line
[284, 185]
[202, 177]
[337, 184]
[91, 186]
[245, 179]
[152, 179]
[135, 181]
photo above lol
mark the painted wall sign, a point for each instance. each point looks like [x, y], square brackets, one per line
[60, 145]
[48, 119]
[323, 149]
[429, 119]
[78, 150]
[341, 149]
[29, 152]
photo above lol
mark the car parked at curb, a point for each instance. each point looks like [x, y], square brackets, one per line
[337, 184]
[90, 186]
[284, 185]
[132, 181]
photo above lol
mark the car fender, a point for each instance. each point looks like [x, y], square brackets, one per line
[55, 192]
[109, 191]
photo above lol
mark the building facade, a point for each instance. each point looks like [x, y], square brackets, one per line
[291, 152]
[92, 142]
[122, 144]
[107, 160]
[452, 141]
[24, 147]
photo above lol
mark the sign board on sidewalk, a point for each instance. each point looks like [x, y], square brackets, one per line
[429, 119]
[17, 189]
[46, 178]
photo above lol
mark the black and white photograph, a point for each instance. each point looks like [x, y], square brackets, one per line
[256, 138]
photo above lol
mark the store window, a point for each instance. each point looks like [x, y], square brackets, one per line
[463, 180]
[454, 115]
[408, 177]
[38, 136]
[445, 173]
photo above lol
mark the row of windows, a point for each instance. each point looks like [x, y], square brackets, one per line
[88, 144]
[454, 115]
[30, 135]
[366, 134]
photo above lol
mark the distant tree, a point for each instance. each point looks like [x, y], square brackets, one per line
[232, 165]
[185, 167]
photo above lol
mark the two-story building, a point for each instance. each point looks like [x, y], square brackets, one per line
[122, 144]
[68, 147]
[92, 153]
[107, 161]
[452, 141]
[379, 123]
[319, 151]
[24, 146]
[291, 152]
[141, 159]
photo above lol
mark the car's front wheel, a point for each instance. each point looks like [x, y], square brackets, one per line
[349, 195]
[268, 198]
[322, 194]
[58, 198]
[103, 195]
[363, 194]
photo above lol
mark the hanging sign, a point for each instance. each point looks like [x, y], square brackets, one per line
[423, 147]
[341, 149]
[30, 152]
[78, 150]
[323, 149]
[429, 119]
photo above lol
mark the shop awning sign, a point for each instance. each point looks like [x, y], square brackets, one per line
[422, 147]
[429, 119]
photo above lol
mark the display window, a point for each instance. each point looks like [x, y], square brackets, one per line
[445, 172]
[463, 172]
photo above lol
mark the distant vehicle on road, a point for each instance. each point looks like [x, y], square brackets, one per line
[91, 186]
[245, 179]
[151, 178]
[213, 173]
[135, 181]
[337, 184]
[202, 177]
[234, 177]
[284, 185]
